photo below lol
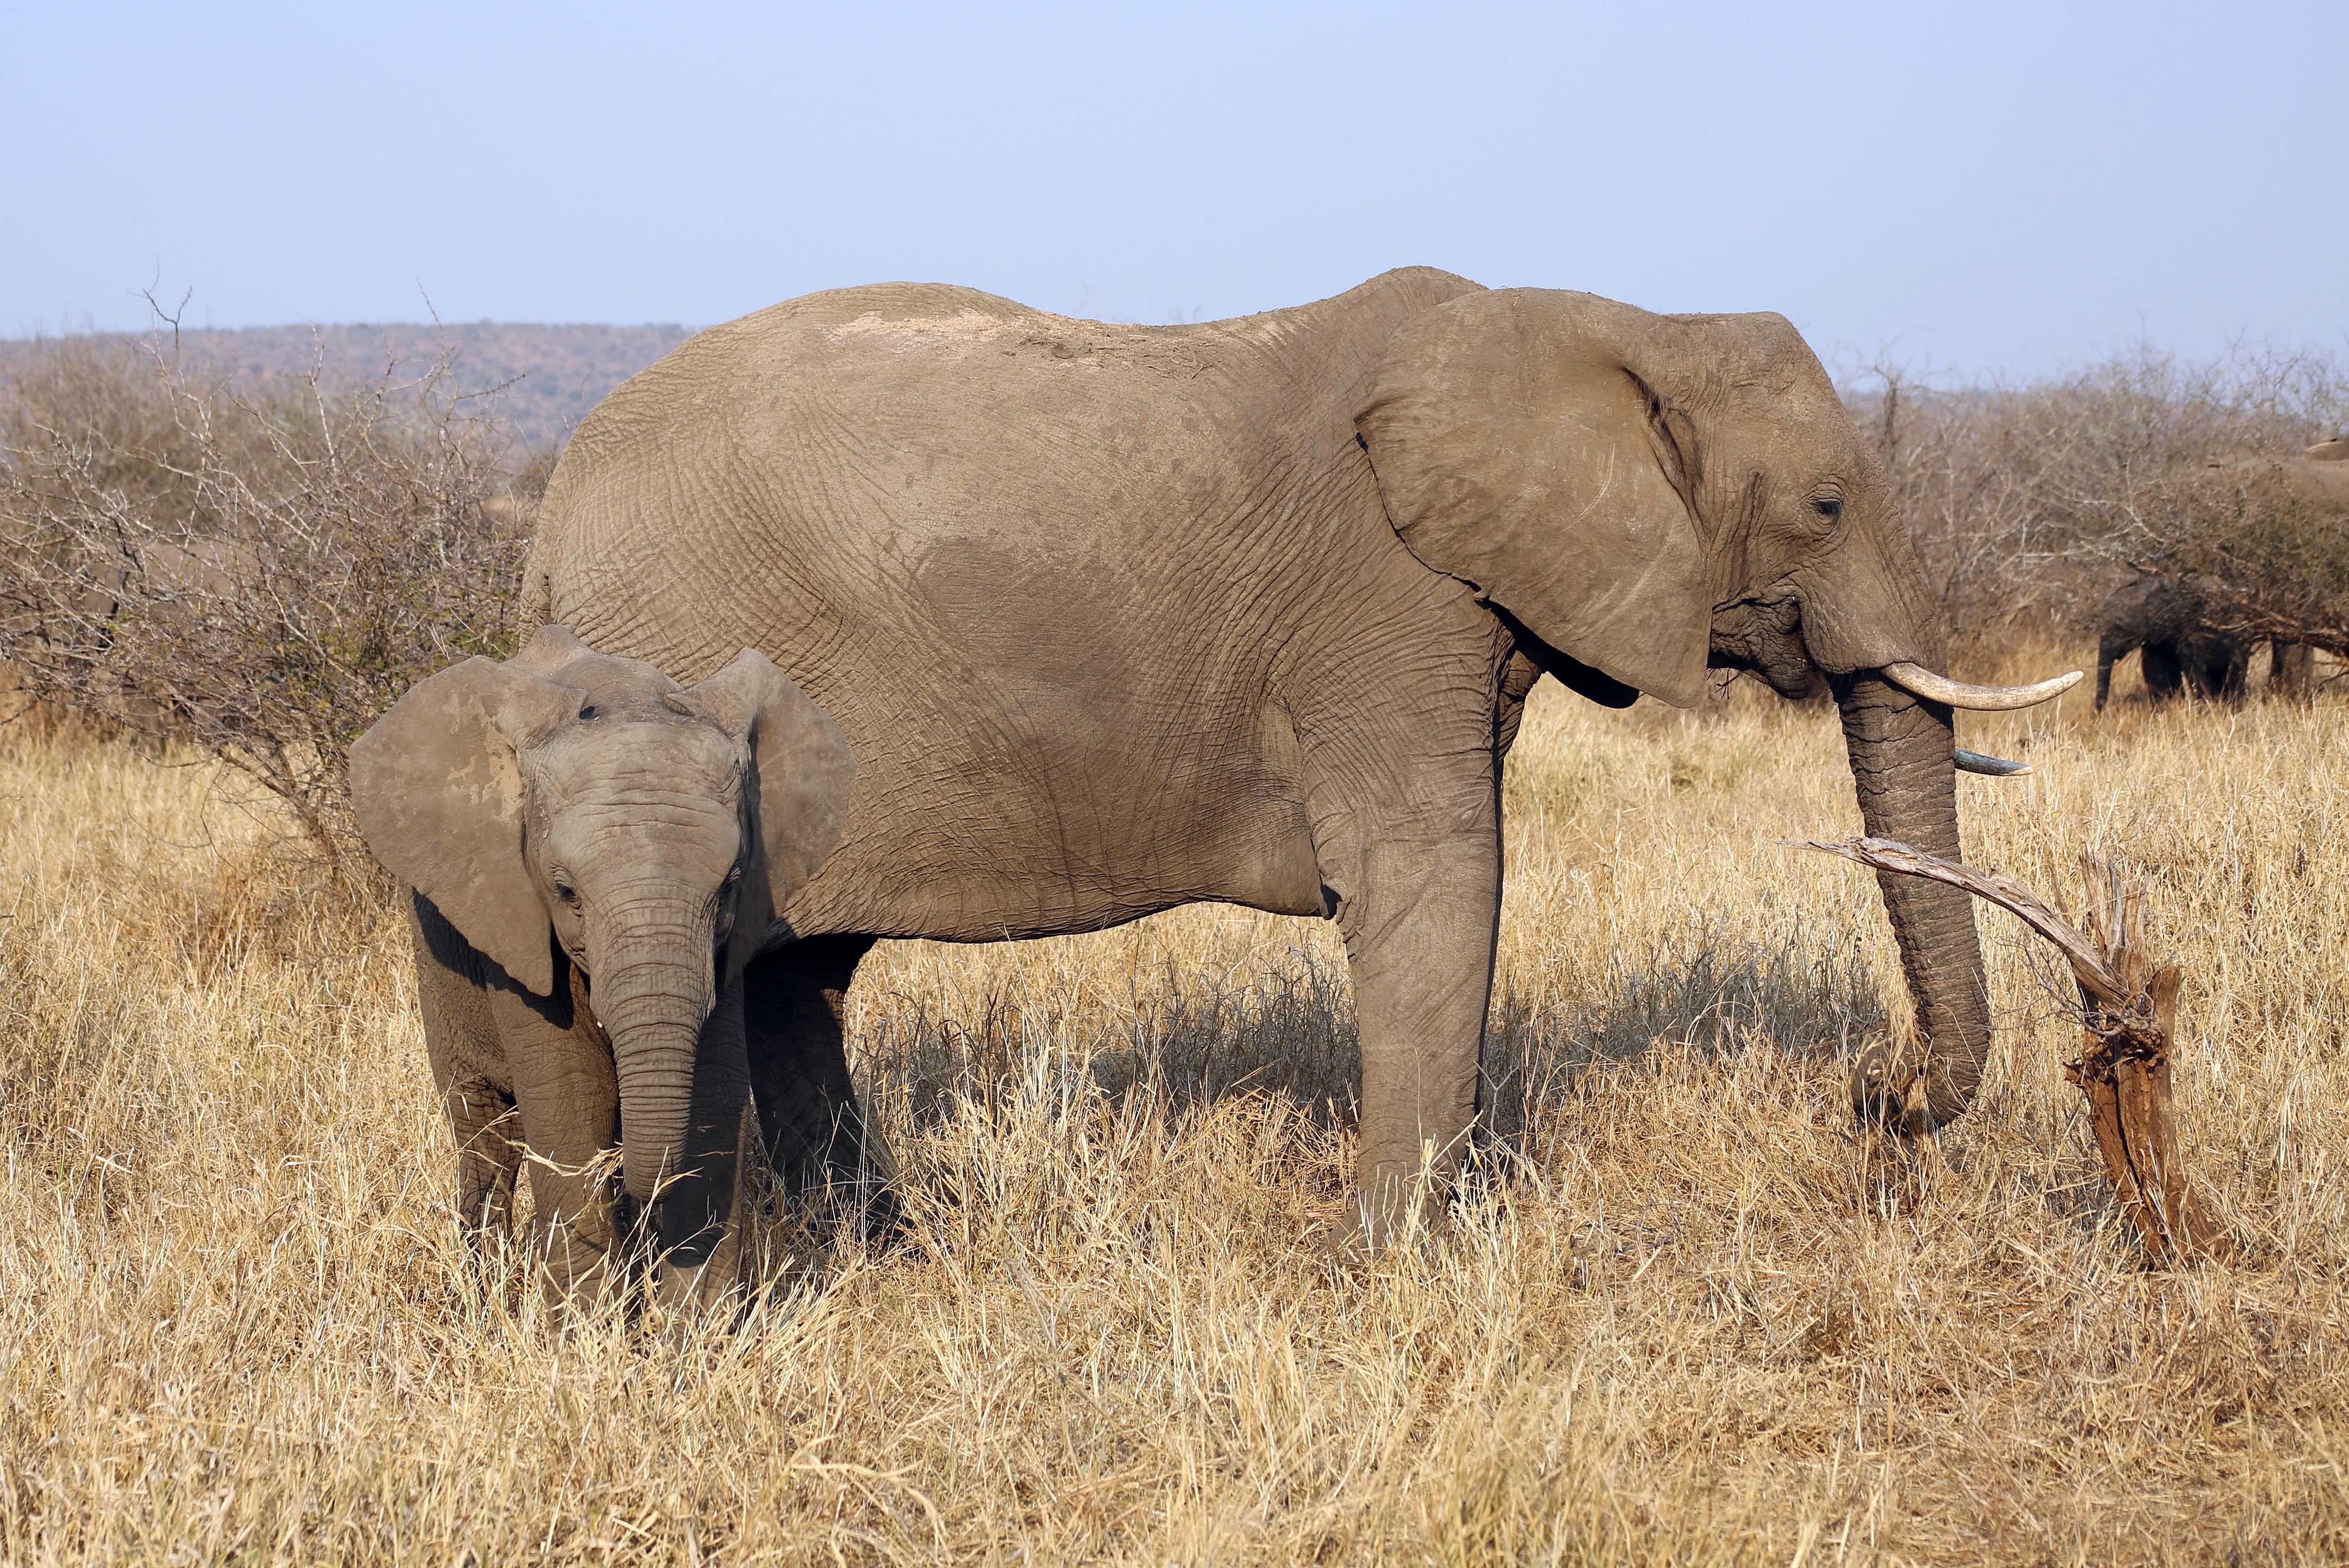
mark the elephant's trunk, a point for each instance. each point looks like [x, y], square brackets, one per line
[655, 986]
[1901, 751]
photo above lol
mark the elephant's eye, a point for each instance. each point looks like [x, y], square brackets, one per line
[567, 893]
[1828, 506]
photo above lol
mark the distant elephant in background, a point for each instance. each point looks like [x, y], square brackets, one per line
[2320, 474]
[1118, 618]
[2172, 623]
[596, 855]
[2178, 622]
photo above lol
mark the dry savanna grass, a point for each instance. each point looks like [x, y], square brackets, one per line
[1687, 1316]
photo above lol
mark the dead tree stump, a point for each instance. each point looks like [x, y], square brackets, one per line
[2129, 1002]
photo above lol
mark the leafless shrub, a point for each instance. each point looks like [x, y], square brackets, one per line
[2269, 550]
[254, 577]
[2028, 502]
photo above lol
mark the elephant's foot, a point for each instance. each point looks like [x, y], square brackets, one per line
[1391, 1210]
[855, 1194]
[582, 1257]
[881, 1221]
[865, 1209]
[577, 1276]
[1888, 1091]
[692, 1288]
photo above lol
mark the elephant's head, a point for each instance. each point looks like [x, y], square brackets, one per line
[1645, 497]
[651, 832]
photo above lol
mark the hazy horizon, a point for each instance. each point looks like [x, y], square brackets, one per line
[1990, 191]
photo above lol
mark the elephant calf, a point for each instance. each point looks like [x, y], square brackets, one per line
[596, 855]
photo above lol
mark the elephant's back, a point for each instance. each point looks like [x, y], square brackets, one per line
[711, 373]
[910, 335]
[860, 429]
[888, 446]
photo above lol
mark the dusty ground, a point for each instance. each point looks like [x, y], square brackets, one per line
[1693, 1321]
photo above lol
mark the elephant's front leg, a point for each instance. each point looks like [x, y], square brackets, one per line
[481, 1117]
[471, 1073]
[1421, 920]
[568, 1098]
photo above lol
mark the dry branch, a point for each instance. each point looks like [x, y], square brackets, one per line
[2129, 1011]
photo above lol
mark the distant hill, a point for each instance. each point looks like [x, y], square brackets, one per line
[558, 372]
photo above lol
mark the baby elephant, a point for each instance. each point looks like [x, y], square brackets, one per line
[597, 855]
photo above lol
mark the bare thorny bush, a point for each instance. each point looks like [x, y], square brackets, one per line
[2030, 503]
[209, 572]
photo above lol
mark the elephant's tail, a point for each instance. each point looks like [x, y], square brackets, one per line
[537, 606]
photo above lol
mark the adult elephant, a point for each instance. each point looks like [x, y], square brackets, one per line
[2181, 636]
[1117, 618]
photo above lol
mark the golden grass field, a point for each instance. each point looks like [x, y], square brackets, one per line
[1692, 1319]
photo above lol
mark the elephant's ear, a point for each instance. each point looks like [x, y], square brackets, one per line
[1519, 448]
[805, 768]
[438, 794]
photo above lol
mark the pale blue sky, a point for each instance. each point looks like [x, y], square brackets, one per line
[1984, 187]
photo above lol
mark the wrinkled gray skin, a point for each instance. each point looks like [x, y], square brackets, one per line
[1118, 618]
[2174, 625]
[596, 856]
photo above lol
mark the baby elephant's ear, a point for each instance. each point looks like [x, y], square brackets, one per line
[805, 768]
[438, 791]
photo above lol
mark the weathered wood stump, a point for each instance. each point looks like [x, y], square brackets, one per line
[2129, 1008]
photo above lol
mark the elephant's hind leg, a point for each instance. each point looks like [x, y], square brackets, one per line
[2290, 669]
[816, 1131]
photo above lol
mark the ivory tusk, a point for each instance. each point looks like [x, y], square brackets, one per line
[1935, 688]
[1990, 767]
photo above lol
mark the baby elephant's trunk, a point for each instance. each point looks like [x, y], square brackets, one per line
[653, 994]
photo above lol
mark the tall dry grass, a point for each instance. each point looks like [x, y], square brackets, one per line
[1688, 1318]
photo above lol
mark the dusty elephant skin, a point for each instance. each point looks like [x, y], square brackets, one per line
[596, 855]
[1117, 618]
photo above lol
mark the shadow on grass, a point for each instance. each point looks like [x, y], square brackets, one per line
[1192, 1041]
[1017, 1100]
[1701, 995]
[1289, 1030]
